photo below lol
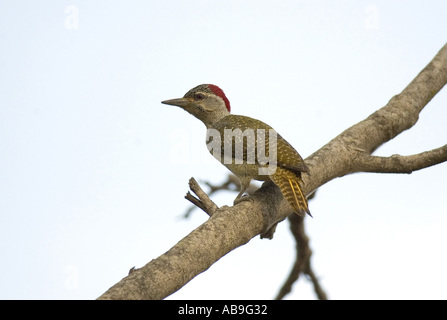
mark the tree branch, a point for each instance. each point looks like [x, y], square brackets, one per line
[355, 145]
[203, 202]
[226, 229]
[302, 263]
[231, 227]
[231, 184]
[402, 164]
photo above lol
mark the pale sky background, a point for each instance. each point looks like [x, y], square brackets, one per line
[93, 168]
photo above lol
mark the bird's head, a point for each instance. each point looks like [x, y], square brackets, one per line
[207, 102]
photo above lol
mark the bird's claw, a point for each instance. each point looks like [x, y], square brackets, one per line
[243, 198]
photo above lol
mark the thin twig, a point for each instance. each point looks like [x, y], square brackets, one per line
[321, 294]
[231, 184]
[203, 201]
[302, 263]
[402, 164]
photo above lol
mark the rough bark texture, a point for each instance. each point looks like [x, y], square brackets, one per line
[230, 227]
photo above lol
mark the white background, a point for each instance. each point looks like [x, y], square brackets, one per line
[93, 168]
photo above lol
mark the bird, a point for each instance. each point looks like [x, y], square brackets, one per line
[249, 148]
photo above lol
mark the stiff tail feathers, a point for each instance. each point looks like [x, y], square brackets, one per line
[300, 199]
[289, 184]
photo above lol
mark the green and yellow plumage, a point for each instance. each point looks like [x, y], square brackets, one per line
[289, 164]
[209, 104]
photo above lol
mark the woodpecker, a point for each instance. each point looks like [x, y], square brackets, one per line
[248, 147]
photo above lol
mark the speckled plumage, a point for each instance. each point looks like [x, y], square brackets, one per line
[209, 104]
[289, 163]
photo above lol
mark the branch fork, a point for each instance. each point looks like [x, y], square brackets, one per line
[202, 201]
[232, 227]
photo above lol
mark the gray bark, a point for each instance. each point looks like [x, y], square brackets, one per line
[231, 227]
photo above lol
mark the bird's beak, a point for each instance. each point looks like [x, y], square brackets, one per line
[181, 102]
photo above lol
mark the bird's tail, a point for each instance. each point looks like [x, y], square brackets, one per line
[289, 184]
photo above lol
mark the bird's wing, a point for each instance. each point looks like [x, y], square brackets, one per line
[286, 156]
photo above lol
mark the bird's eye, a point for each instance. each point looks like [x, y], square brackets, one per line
[199, 96]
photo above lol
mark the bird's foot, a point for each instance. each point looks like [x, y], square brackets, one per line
[243, 198]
